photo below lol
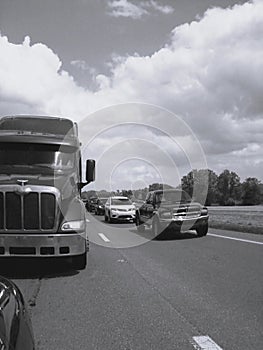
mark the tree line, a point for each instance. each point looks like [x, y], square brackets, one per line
[225, 188]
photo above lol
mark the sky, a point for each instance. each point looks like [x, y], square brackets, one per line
[158, 87]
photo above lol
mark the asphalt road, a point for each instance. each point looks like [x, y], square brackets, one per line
[138, 293]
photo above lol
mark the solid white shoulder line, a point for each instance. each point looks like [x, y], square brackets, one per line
[235, 239]
[204, 342]
[105, 239]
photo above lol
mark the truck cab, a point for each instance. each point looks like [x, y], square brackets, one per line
[41, 211]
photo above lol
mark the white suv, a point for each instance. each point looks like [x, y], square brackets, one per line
[119, 208]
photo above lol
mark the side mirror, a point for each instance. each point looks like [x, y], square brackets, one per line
[90, 170]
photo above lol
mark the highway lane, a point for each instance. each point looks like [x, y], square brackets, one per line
[152, 294]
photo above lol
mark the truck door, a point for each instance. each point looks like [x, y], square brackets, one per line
[146, 210]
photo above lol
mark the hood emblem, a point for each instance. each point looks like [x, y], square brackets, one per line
[22, 189]
[22, 182]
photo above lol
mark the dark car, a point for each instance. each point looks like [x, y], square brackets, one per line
[90, 204]
[15, 325]
[100, 206]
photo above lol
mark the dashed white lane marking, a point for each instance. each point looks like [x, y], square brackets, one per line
[102, 236]
[204, 342]
[235, 239]
[87, 220]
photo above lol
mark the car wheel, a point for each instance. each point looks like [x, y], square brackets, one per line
[140, 227]
[110, 218]
[79, 262]
[156, 229]
[202, 230]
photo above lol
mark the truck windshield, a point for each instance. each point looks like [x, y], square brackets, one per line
[43, 158]
[173, 197]
[102, 200]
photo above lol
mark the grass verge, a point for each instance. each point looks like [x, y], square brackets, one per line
[243, 219]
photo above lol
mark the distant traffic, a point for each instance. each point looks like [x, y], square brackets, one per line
[162, 211]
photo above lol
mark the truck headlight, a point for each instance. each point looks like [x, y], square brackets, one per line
[204, 211]
[166, 214]
[78, 225]
[178, 218]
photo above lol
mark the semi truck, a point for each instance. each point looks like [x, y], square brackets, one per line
[41, 211]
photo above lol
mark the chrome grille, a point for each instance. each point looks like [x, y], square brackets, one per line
[33, 211]
[188, 212]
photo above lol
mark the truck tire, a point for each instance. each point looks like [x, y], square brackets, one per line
[79, 262]
[202, 230]
[156, 229]
[140, 227]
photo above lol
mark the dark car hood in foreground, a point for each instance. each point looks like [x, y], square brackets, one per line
[15, 325]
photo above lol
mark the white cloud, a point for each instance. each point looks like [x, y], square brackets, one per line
[32, 75]
[81, 64]
[166, 9]
[210, 73]
[125, 8]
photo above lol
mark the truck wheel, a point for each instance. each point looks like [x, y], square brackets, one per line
[156, 229]
[79, 262]
[202, 230]
[140, 227]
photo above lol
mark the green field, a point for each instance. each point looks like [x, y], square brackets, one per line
[239, 218]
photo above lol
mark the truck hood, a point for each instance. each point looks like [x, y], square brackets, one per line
[61, 182]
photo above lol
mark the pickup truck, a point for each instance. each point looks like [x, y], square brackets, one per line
[171, 209]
